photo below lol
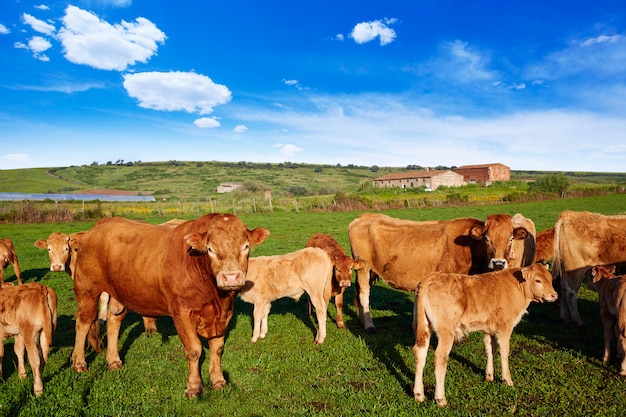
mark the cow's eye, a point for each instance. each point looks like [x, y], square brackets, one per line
[210, 250]
[246, 247]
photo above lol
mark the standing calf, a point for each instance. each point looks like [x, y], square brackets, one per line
[28, 312]
[453, 305]
[269, 278]
[8, 256]
[342, 269]
[612, 293]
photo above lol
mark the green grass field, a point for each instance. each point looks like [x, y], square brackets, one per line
[556, 367]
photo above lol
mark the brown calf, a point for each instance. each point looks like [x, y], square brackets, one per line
[8, 256]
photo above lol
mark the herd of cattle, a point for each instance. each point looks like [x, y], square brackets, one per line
[467, 274]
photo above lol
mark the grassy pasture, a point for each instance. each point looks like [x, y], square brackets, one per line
[556, 367]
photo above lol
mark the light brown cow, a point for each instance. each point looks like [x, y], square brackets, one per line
[612, 294]
[522, 250]
[8, 256]
[269, 278]
[402, 252]
[191, 272]
[342, 269]
[453, 305]
[544, 246]
[582, 240]
[29, 313]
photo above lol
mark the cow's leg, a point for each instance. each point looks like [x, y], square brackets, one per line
[420, 351]
[442, 353]
[34, 359]
[18, 348]
[607, 326]
[490, 345]
[321, 308]
[216, 348]
[339, 306]
[86, 313]
[104, 304]
[115, 316]
[149, 323]
[504, 340]
[570, 283]
[264, 320]
[258, 313]
[193, 350]
[2, 337]
[362, 299]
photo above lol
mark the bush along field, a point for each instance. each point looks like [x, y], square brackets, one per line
[557, 367]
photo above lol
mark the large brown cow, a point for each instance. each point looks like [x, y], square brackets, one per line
[612, 294]
[62, 250]
[29, 313]
[453, 305]
[8, 256]
[269, 278]
[342, 269]
[544, 247]
[582, 240]
[402, 252]
[191, 272]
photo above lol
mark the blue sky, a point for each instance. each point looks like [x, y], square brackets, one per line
[531, 84]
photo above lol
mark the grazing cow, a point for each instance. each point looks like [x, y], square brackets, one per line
[191, 272]
[342, 269]
[402, 252]
[8, 256]
[269, 278]
[453, 305]
[29, 313]
[545, 245]
[612, 294]
[582, 240]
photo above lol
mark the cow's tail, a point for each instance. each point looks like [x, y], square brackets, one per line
[420, 321]
[557, 268]
[93, 337]
[50, 319]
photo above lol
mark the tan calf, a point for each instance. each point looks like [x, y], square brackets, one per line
[612, 293]
[452, 305]
[8, 256]
[269, 278]
[29, 313]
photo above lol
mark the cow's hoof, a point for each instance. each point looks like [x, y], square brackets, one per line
[489, 377]
[22, 375]
[38, 393]
[622, 373]
[219, 385]
[194, 391]
[115, 365]
[419, 397]
[371, 330]
[341, 325]
[80, 367]
[441, 402]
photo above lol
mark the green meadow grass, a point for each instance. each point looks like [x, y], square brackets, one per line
[556, 367]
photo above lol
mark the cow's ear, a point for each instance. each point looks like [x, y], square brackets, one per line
[519, 275]
[197, 241]
[356, 265]
[611, 269]
[41, 244]
[520, 233]
[258, 235]
[595, 274]
[477, 232]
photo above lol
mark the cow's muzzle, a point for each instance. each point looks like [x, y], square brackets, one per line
[234, 280]
[497, 264]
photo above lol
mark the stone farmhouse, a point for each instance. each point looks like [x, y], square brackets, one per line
[227, 187]
[468, 174]
[413, 179]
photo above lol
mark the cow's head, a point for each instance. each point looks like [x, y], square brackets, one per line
[600, 272]
[537, 282]
[498, 235]
[227, 242]
[343, 267]
[59, 251]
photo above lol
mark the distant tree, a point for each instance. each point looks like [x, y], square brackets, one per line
[553, 183]
[317, 169]
[109, 163]
[94, 163]
[374, 168]
[199, 164]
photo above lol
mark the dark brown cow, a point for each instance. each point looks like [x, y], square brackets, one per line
[8, 256]
[191, 272]
[582, 240]
[453, 305]
[402, 252]
[342, 269]
[29, 313]
[544, 246]
[612, 294]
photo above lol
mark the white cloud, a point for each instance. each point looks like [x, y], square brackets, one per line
[601, 39]
[368, 31]
[295, 83]
[240, 129]
[176, 91]
[207, 122]
[289, 150]
[42, 7]
[36, 45]
[339, 37]
[88, 40]
[38, 25]
[20, 157]
[4, 30]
